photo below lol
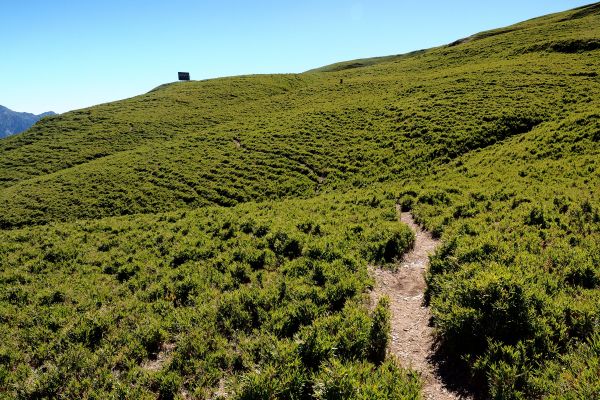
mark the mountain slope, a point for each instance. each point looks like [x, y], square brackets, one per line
[304, 133]
[12, 122]
[492, 142]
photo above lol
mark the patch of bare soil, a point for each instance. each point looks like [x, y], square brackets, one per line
[163, 356]
[412, 341]
[221, 392]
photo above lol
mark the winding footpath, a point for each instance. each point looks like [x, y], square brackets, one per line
[411, 334]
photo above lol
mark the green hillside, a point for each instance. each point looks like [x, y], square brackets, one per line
[217, 233]
[232, 140]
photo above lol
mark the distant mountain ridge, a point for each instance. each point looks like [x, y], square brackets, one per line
[12, 122]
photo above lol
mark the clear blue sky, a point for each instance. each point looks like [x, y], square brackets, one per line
[63, 55]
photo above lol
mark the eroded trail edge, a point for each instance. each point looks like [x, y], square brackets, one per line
[411, 336]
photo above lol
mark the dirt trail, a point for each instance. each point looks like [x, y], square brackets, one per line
[412, 337]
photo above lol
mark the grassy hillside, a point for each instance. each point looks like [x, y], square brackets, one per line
[515, 287]
[270, 294]
[218, 232]
[227, 141]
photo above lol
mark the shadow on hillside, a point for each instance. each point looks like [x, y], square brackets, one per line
[454, 375]
[584, 11]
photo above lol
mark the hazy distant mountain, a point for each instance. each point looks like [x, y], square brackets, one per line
[12, 122]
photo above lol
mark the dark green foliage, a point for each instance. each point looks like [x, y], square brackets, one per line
[359, 381]
[167, 385]
[389, 245]
[536, 218]
[406, 203]
[514, 285]
[177, 302]
[568, 46]
[380, 328]
[575, 375]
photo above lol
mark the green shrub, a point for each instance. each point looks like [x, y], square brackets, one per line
[363, 381]
[388, 245]
[167, 385]
[380, 331]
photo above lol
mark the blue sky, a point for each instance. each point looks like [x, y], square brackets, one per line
[64, 55]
